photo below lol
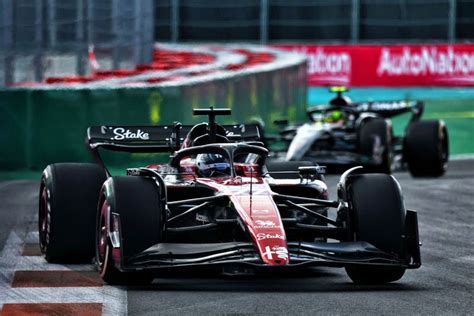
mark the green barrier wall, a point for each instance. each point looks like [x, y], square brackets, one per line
[39, 127]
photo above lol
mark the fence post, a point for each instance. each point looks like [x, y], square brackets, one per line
[116, 34]
[355, 21]
[136, 33]
[52, 23]
[90, 25]
[452, 21]
[149, 31]
[81, 45]
[263, 21]
[37, 58]
[7, 54]
[174, 20]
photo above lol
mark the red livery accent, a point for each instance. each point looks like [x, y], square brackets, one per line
[246, 199]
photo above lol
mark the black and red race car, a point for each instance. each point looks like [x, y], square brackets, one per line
[218, 204]
[345, 133]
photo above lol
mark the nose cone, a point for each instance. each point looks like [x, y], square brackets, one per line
[262, 219]
[270, 239]
[275, 255]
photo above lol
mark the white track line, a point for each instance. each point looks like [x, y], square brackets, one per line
[38, 263]
[113, 299]
[461, 157]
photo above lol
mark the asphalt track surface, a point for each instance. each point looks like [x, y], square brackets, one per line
[444, 284]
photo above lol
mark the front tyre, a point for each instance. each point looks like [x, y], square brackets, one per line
[130, 207]
[377, 217]
[374, 275]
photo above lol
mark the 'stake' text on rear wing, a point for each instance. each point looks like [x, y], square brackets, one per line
[161, 138]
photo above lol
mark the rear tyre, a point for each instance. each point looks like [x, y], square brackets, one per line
[136, 201]
[375, 141]
[378, 217]
[426, 148]
[68, 198]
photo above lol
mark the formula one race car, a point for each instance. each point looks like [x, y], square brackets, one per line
[350, 133]
[217, 204]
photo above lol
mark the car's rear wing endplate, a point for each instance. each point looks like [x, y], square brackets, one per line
[160, 138]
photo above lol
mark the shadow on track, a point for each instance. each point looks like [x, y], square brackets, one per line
[313, 280]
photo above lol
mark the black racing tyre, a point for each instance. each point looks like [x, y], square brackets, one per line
[375, 274]
[377, 217]
[69, 193]
[136, 200]
[375, 141]
[274, 167]
[426, 148]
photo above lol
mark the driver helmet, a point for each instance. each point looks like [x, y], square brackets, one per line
[211, 165]
[333, 116]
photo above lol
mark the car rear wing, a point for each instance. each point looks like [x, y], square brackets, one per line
[162, 138]
[389, 108]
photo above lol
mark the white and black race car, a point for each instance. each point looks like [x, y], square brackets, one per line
[360, 133]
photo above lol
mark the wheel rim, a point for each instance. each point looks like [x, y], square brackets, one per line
[102, 236]
[43, 219]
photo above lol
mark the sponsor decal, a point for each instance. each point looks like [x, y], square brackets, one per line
[260, 212]
[388, 65]
[276, 252]
[265, 224]
[133, 172]
[202, 218]
[428, 61]
[122, 133]
[333, 63]
[262, 236]
[383, 106]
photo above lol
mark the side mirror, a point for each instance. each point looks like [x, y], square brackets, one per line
[311, 172]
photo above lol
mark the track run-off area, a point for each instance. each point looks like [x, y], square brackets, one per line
[443, 285]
